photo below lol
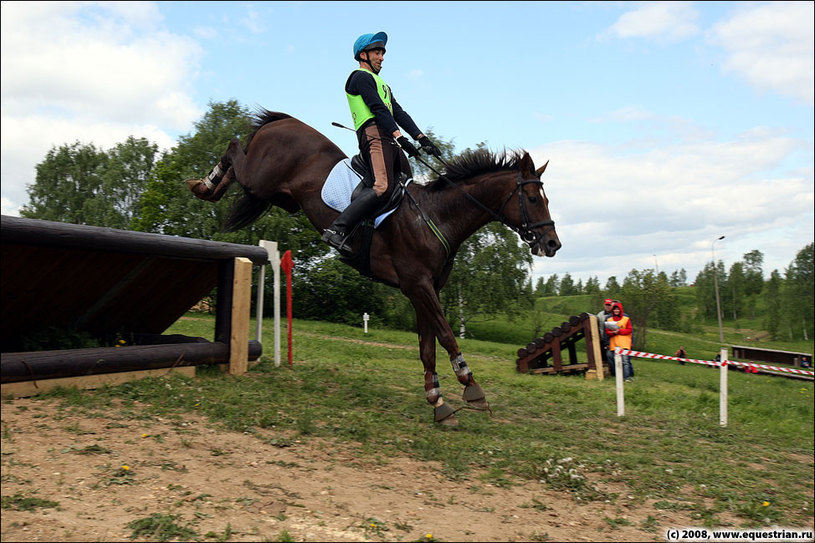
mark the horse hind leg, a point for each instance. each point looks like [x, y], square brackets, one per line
[213, 186]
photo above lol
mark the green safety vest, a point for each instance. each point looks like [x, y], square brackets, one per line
[359, 109]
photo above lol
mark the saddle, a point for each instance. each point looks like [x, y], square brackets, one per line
[363, 233]
[359, 165]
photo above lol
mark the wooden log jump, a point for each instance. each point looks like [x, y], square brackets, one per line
[537, 355]
[105, 283]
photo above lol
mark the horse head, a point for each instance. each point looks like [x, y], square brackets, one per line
[530, 217]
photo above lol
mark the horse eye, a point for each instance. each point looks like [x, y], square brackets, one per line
[533, 199]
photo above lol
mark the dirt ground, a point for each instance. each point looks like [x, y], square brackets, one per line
[106, 473]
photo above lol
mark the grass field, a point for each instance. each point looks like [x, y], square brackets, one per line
[366, 391]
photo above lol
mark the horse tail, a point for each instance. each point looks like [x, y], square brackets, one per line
[246, 211]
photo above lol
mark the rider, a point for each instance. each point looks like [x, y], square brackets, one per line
[377, 117]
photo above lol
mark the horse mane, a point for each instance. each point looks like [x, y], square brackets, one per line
[260, 118]
[472, 163]
[263, 116]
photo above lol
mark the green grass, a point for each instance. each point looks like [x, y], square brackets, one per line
[366, 390]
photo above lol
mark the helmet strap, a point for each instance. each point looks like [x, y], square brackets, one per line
[367, 60]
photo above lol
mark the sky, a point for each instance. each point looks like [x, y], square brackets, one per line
[666, 124]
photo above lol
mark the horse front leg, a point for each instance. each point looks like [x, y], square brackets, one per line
[432, 324]
[443, 413]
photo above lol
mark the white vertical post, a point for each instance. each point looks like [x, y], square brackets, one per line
[365, 318]
[274, 258]
[723, 388]
[276, 269]
[618, 377]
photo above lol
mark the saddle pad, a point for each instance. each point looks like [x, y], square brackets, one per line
[339, 185]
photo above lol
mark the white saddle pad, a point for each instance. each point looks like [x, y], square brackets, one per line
[339, 185]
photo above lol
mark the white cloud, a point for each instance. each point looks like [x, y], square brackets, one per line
[89, 72]
[673, 202]
[662, 21]
[772, 47]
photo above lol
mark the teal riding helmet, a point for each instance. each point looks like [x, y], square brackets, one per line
[369, 41]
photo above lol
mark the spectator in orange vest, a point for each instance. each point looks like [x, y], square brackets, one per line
[619, 330]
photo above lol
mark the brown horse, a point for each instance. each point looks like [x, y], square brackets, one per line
[285, 163]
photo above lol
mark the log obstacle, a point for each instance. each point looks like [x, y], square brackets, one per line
[543, 355]
[106, 283]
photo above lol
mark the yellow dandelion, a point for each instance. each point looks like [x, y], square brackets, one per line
[125, 468]
[428, 536]
[145, 435]
[765, 503]
[122, 342]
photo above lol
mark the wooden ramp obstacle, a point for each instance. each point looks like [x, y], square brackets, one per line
[105, 284]
[544, 354]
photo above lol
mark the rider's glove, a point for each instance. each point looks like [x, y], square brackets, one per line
[429, 147]
[407, 147]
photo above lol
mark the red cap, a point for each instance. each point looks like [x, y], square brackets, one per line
[608, 301]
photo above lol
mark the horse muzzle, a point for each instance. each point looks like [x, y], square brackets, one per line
[539, 243]
[543, 245]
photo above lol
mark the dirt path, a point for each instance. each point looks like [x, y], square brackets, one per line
[227, 486]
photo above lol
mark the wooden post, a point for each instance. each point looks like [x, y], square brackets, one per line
[557, 357]
[593, 346]
[241, 303]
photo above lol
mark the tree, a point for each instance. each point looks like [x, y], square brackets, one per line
[679, 278]
[66, 181]
[567, 286]
[772, 293]
[643, 293]
[753, 275]
[552, 287]
[81, 184]
[798, 294]
[592, 286]
[734, 290]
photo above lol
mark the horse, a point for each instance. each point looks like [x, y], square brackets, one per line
[285, 163]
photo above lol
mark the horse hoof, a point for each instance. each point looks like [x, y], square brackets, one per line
[473, 393]
[198, 188]
[445, 415]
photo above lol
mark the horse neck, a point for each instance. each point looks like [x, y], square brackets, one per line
[463, 216]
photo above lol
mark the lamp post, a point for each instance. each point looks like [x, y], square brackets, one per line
[716, 287]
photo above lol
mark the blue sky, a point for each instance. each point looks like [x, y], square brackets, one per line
[666, 124]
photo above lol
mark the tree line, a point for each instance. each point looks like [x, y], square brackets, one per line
[134, 186]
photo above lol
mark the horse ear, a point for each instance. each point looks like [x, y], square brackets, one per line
[539, 171]
[527, 166]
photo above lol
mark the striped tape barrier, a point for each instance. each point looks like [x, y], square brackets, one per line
[640, 354]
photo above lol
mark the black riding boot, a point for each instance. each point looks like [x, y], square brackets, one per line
[359, 209]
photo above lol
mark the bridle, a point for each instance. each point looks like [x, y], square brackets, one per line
[526, 230]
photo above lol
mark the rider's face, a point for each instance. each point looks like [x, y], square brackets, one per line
[375, 57]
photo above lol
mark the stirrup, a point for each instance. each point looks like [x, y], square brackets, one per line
[337, 241]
